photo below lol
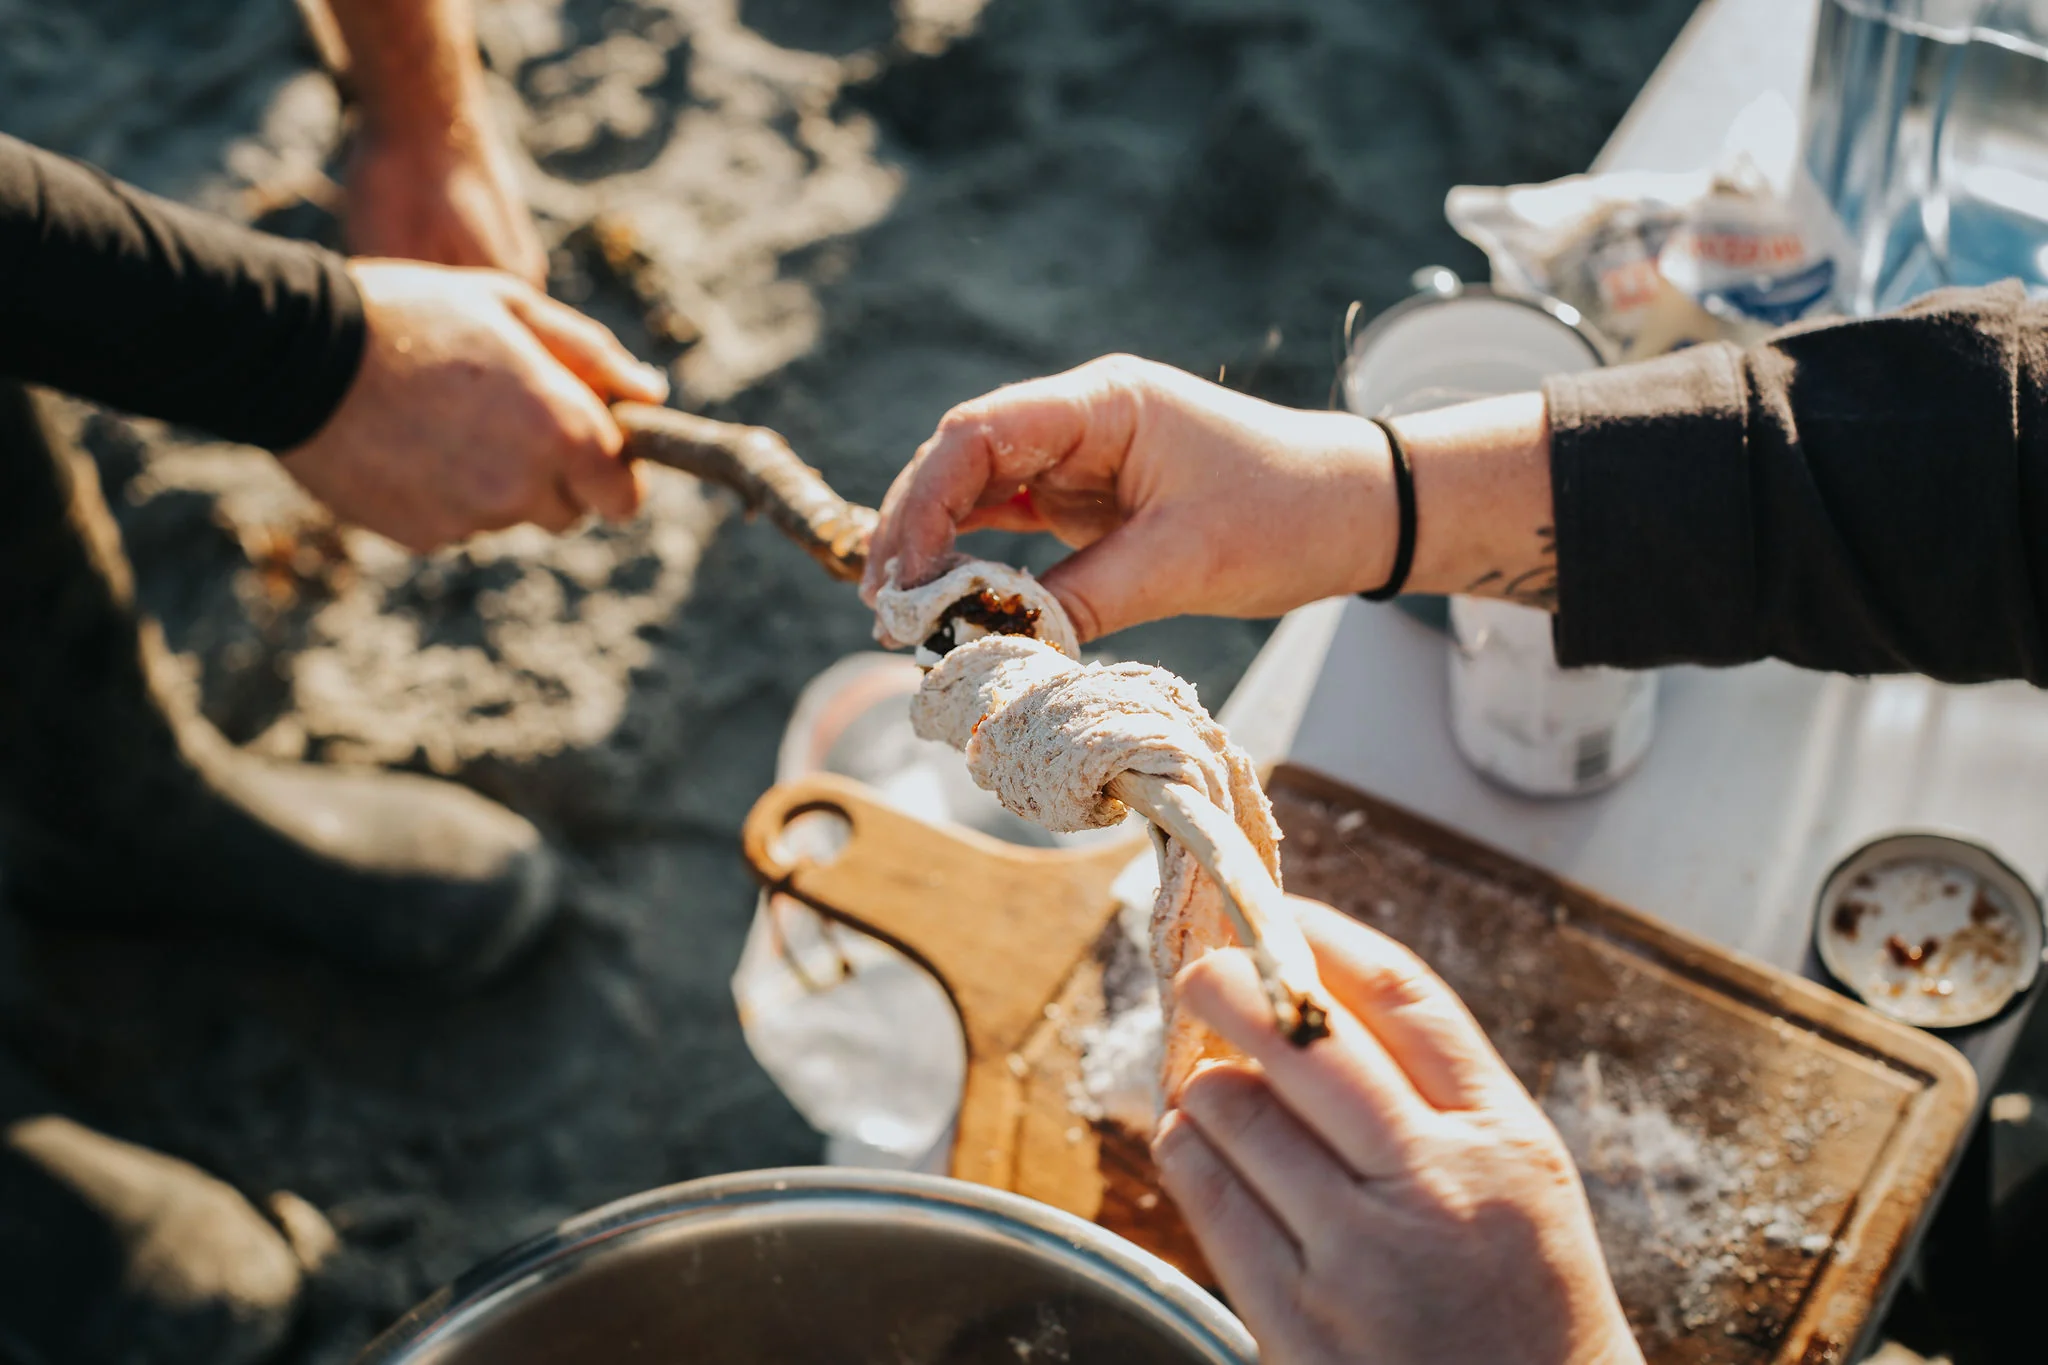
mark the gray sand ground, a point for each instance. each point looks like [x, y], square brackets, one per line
[869, 213]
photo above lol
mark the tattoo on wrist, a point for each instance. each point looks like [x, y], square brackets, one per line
[1535, 586]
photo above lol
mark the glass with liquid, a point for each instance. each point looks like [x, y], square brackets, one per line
[1927, 129]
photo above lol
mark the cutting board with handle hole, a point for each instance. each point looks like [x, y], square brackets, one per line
[1012, 934]
[1758, 1150]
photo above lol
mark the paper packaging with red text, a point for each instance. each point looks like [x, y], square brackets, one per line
[1660, 260]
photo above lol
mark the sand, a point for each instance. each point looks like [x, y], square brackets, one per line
[866, 213]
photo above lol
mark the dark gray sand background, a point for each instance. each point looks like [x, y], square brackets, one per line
[870, 213]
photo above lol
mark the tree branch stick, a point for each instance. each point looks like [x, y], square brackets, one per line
[758, 465]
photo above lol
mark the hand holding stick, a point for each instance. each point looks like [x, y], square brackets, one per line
[758, 465]
[1258, 911]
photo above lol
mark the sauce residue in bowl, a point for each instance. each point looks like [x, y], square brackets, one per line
[1926, 941]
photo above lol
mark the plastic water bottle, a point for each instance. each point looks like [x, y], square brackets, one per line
[1927, 130]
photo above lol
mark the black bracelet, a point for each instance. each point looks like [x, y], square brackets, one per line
[1404, 497]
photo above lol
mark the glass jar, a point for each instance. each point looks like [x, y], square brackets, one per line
[1516, 715]
[1926, 129]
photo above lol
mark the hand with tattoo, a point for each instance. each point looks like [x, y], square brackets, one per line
[1181, 496]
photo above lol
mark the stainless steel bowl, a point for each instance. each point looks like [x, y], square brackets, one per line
[820, 1264]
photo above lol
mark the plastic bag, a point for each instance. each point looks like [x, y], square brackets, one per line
[1656, 261]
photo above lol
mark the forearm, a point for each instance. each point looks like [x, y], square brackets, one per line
[1863, 497]
[114, 295]
[428, 179]
[413, 65]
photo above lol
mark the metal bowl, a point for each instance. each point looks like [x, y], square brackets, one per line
[820, 1264]
[1930, 929]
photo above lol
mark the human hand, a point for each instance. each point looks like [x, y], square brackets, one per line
[441, 192]
[1183, 496]
[1390, 1193]
[480, 403]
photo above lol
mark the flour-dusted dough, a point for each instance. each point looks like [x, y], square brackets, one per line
[907, 617]
[1047, 735]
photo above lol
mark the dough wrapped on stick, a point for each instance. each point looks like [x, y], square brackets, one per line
[1073, 746]
[973, 598]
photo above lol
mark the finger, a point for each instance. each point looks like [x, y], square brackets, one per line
[557, 509]
[528, 259]
[1255, 1261]
[884, 566]
[1345, 1088]
[587, 349]
[940, 487]
[1421, 1021]
[591, 457]
[596, 474]
[419, 540]
[1004, 518]
[1293, 1172]
[1139, 572]
[1015, 513]
[1011, 436]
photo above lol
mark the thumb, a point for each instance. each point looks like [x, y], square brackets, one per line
[1137, 573]
[587, 349]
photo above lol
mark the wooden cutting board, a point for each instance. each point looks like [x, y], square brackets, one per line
[1757, 1149]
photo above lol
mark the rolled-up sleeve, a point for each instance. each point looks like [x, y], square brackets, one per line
[1866, 496]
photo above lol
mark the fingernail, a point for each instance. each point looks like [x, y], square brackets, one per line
[1167, 1134]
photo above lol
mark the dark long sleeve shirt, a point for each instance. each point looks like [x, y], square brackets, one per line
[1867, 496]
[127, 299]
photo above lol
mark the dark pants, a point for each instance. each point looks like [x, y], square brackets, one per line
[87, 760]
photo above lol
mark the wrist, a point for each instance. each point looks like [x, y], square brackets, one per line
[1483, 498]
[1369, 532]
[426, 130]
[1402, 476]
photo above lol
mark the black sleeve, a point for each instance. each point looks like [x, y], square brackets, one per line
[1867, 496]
[114, 295]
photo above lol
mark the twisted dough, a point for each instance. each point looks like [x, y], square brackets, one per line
[905, 617]
[1047, 735]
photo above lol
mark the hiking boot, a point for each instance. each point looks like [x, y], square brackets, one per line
[118, 803]
[111, 1254]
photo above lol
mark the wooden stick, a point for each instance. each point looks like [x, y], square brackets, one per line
[758, 465]
[1259, 913]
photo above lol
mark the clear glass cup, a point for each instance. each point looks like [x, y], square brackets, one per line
[1926, 129]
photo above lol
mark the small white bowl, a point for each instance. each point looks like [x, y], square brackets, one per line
[1929, 929]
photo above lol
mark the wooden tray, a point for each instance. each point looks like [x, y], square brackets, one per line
[1758, 1149]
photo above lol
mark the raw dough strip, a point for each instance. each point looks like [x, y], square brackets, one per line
[1258, 911]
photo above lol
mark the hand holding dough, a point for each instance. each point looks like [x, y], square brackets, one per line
[1048, 735]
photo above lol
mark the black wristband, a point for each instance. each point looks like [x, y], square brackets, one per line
[1404, 498]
